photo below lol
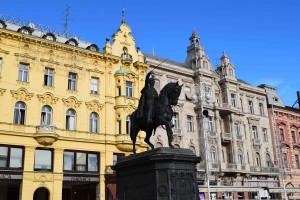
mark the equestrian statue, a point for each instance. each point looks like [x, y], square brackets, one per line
[154, 110]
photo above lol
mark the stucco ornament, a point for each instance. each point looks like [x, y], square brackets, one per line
[2, 91]
[47, 98]
[94, 105]
[21, 94]
[71, 102]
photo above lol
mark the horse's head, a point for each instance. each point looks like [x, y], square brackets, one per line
[174, 93]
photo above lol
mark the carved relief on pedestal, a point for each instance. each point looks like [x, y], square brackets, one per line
[94, 105]
[21, 94]
[71, 102]
[47, 98]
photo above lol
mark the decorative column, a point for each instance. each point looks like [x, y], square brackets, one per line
[218, 132]
[234, 144]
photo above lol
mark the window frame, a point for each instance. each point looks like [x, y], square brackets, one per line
[261, 109]
[49, 77]
[8, 158]
[293, 134]
[68, 118]
[175, 120]
[87, 165]
[52, 159]
[94, 120]
[94, 86]
[265, 134]
[297, 164]
[281, 135]
[45, 115]
[254, 132]
[129, 89]
[250, 107]
[23, 73]
[233, 100]
[1, 64]
[189, 123]
[72, 81]
[21, 115]
[128, 124]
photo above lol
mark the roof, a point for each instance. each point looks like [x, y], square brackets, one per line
[166, 60]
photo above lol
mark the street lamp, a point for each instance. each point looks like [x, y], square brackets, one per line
[204, 114]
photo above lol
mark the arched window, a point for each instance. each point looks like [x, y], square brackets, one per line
[261, 109]
[94, 122]
[257, 159]
[46, 115]
[240, 157]
[128, 124]
[213, 154]
[124, 53]
[70, 119]
[268, 160]
[20, 113]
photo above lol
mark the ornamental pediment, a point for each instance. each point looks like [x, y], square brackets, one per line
[74, 65]
[95, 70]
[71, 102]
[94, 105]
[131, 75]
[50, 60]
[253, 120]
[47, 98]
[25, 55]
[21, 94]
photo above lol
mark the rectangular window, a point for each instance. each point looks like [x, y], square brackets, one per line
[281, 135]
[43, 160]
[94, 85]
[254, 132]
[250, 106]
[241, 102]
[119, 91]
[233, 100]
[117, 157]
[82, 162]
[48, 77]
[11, 157]
[23, 72]
[119, 126]
[297, 162]
[175, 120]
[240, 159]
[265, 134]
[129, 89]
[210, 124]
[261, 109]
[69, 161]
[285, 160]
[293, 137]
[189, 123]
[236, 127]
[72, 81]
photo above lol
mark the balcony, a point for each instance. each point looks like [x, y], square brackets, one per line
[256, 142]
[231, 166]
[226, 108]
[226, 137]
[126, 59]
[212, 134]
[239, 137]
[264, 169]
[124, 143]
[46, 135]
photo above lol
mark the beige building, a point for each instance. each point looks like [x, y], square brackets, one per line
[235, 136]
[64, 110]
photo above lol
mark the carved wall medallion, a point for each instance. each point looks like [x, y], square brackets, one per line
[43, 177]
[71, 102]
[21, 94]
[47, 98]
[94, 105]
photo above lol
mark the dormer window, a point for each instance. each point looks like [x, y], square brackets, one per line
[275, 99]
[93, 47]
[49, 36]
[72, 42]
[25, 30]
[2, 24]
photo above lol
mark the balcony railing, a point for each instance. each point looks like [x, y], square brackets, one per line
[256, 142]
[231, 166]
[212, 134]
[239, 137]
[243, 167]
[226, 136]
[214, 165]
[263, 169]
[46, 129]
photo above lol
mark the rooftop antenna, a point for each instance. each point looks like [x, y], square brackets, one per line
[67, 18]
[152, 51]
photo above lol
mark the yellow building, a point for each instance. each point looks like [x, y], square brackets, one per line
[64, 110]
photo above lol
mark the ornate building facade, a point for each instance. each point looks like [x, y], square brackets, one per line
[285, 127]
[64, 110]
[225, 121]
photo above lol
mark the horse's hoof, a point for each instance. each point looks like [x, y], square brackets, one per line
[171, 146]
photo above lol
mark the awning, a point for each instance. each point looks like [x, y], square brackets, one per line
[113, 190]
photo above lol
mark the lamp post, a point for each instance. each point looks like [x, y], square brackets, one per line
[203, 115]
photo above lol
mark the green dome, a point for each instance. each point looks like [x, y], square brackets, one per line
[121, 71]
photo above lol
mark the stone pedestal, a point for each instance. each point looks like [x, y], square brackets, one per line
[158, 174]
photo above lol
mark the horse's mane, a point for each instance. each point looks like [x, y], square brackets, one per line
[167, 88]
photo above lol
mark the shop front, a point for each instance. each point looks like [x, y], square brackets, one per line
[10, 186]
[80, 187]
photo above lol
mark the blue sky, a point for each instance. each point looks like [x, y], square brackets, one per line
[261, 37]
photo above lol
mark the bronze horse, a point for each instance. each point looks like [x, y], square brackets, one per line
[163, 114]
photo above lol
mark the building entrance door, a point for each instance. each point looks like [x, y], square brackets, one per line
[73, 191]
[41, 194]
